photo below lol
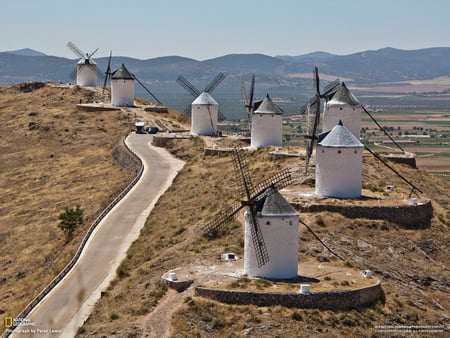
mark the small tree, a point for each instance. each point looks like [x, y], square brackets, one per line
[69, 220]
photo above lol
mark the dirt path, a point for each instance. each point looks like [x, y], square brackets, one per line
[157, 323]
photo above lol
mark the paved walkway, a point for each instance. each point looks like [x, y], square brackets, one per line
[69, 304]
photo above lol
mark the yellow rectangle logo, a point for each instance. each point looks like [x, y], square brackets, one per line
[8, 322]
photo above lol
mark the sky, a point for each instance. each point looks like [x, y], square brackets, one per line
[201, 29]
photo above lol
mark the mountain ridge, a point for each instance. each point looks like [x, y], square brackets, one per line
[366, 67]
[289, 78]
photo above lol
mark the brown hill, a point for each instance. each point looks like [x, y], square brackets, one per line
[55, 156]
[413, 264]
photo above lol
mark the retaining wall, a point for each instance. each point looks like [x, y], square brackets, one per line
[407, 216]
[339, 300]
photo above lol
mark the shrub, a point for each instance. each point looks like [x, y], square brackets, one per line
[69, 220]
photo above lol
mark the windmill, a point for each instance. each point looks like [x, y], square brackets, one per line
[86, 71]
[183, 82]
[124, 75]
[312, 107]
[253, 195]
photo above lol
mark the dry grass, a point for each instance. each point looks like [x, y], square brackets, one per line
[53, 157]
[412, 264]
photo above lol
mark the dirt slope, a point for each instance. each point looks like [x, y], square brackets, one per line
[413, 264]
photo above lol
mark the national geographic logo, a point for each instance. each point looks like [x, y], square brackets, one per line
[8, 322]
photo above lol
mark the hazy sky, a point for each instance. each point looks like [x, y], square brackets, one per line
[203, 29]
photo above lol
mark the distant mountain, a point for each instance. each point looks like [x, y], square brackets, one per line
[368, 67]
[285, 77]
[314, 56]
[26, 52]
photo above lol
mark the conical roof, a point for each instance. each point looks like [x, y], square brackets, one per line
[343, 96]
[205, 98]
[274, 204]
[339, 136]
[122, 73]
[268, 107]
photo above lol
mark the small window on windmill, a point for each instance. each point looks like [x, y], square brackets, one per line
[340, 108]
[268, 223]
[339, 151]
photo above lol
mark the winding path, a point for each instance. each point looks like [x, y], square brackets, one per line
[69, 304]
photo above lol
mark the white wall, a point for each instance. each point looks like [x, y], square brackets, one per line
[338, 172]
[349, 115]
[281, 238]
[204, 119]
[87, 75]
[122, 92]
[266, 130]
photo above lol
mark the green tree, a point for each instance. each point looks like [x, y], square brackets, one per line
[69, 220]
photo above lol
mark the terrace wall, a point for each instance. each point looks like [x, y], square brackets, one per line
[407, 216]
[339, 300]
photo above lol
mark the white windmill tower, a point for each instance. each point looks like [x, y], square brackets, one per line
[122, 87]
[86, 71]
[278, 222]
[204, 109]
[345, 107]
[339, 163]
[204, 115]
[271, 224]
[266, 125]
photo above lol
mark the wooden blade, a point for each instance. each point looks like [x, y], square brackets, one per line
[188, 86]
[73, 74]
[330, 89]
[312, 138]
[262, 255]
[252, 90]
[317, 80]
[92, 54]
[242, 173]
[107, 72]
[215, 82]
[77, 51]
[244, 96]
[278, 181]
[224, 217]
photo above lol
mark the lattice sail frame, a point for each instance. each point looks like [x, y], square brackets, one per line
[253, 196]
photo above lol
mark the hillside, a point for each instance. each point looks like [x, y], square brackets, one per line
[55, 157]
[412, 264]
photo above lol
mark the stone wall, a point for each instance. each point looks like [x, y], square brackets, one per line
[163, 139]
[407, 216]
[410, 161]
[339, 300]
[125, 159]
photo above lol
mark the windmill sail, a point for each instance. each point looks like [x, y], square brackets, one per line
[253, 196]
[195, 92]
